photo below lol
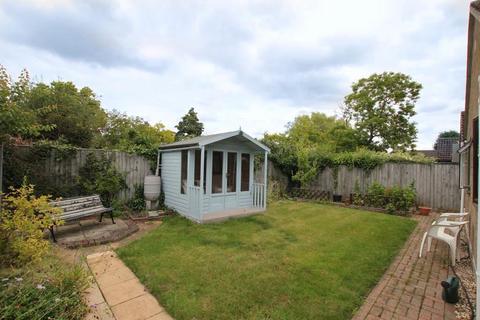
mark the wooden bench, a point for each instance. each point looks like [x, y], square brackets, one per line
[79, 207]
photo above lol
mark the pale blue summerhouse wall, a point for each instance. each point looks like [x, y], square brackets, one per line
[211, 203]
[170, 177]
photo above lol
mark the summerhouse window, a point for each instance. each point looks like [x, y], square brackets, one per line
[217, 171]
[245, 179]
[183, 172]
[198, 159]
[232, 172]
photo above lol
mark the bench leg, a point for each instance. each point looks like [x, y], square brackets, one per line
[101, 217]
[111, 217]
[52, 233]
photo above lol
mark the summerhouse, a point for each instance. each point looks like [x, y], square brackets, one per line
[211, 177]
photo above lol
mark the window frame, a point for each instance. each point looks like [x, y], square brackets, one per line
[474, 181]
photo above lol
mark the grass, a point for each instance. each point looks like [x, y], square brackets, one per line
[298, 261]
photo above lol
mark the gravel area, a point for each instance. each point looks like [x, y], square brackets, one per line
[465, 272]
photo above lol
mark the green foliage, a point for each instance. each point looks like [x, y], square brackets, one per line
[77, 114]
[137, 203]
[380, 108]
[189, 126]
[99, 176]
[376, 195]
[23, 219]
[16, 118]
[133, 135]
[393, 199]
[311, 163]
[50, 290]
[309, 139]
[31, 162]
[276, 191]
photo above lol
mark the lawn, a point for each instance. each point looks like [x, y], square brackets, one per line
[298, 261]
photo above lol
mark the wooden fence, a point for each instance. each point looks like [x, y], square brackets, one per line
[63, 171]
[437, 185]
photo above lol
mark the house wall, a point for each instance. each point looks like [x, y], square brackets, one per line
[471, 108]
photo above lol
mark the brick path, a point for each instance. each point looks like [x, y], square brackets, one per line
[410, 289]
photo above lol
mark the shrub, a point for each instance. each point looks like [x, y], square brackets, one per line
[23, 219]
[275, 191]
[99, 176]
[137, 203]
[394, 199]
[51, 290]
[376, 195]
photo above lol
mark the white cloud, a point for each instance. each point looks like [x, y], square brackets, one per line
[241, 63]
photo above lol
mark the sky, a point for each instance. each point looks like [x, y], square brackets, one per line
[250, 64]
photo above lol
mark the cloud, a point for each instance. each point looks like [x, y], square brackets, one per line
[241, 63]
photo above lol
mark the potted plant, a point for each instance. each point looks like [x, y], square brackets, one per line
[424, 211]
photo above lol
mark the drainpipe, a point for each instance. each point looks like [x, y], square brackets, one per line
[158, 163]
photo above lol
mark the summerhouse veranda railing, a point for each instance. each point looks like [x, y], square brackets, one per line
[258, 195]
[194, 194]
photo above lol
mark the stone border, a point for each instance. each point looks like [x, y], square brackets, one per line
[115, 235]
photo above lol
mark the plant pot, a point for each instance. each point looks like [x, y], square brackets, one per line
[424, 211]
[337, 198]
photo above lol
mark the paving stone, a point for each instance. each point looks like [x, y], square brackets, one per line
[100, 312]
[123, 291]
[161, 316]
[113, 278]
[139, 308]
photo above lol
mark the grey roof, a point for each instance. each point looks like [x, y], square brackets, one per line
[201, 141]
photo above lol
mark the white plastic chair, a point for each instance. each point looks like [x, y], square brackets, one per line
[437, 231]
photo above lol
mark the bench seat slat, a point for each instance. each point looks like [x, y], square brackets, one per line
[86, 211]
[78, 206]
[84, 214]
[76, 200]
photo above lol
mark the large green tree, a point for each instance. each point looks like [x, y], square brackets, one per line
[133, 134]
[190, 126]
[16, 118]
[78, 116]
[381, 108]
[308, 136]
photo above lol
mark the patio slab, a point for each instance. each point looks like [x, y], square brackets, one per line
[124, 294]
[410, 289]
[90, 232]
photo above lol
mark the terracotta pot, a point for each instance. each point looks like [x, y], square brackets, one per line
[424, 211]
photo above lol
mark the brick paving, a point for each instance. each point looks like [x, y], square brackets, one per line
[410, 289]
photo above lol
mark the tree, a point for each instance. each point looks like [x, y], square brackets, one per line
[380, 109]
[189, 126]
[133, 134]
[306, 137]
[78, 116]
[446, 134]
[16, 119]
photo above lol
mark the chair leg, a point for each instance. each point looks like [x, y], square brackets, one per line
[52, 233]
[429, 244]
[101, 217]
[453, 253]
[421, 245]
